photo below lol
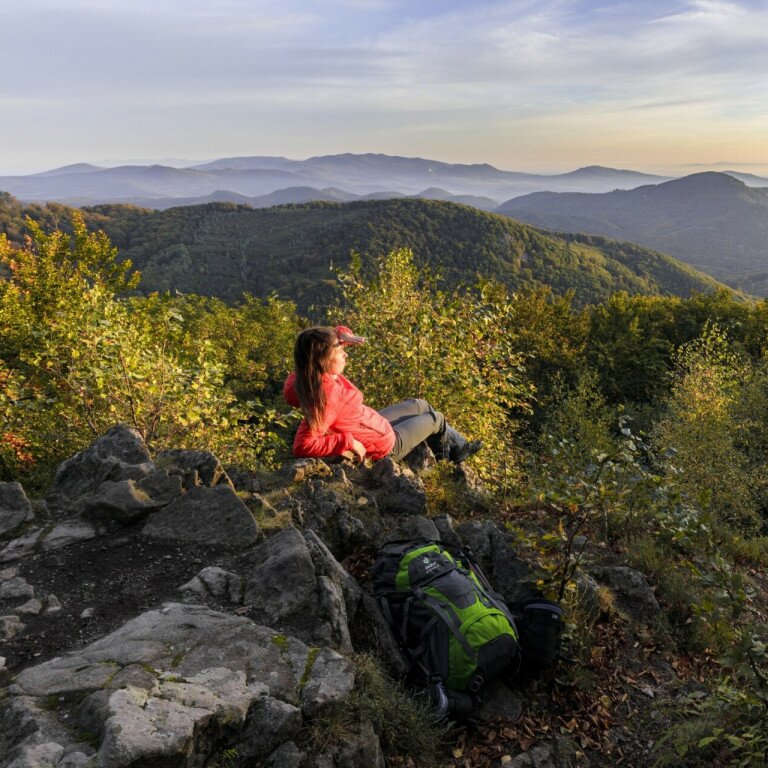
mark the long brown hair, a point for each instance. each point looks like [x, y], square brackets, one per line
[310, 354]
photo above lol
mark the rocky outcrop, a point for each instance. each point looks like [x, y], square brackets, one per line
[631, 588]
[170, 688]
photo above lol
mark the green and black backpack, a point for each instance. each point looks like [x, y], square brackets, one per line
[457, 631]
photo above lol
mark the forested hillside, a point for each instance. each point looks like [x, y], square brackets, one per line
[224, 250]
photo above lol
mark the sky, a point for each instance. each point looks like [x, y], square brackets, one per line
[531, 85]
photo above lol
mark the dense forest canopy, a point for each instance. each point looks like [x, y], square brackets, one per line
[640, 421]
[223, 249]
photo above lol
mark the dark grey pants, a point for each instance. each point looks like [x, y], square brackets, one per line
[415, 421]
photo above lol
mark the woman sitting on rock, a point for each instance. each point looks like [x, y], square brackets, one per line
[337, 422]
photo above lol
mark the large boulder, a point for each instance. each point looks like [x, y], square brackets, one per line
[206, 515]
[172, 687]
[120, 454]
[297, 586]
[15, 508]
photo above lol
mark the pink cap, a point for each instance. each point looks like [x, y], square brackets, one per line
[346, 336]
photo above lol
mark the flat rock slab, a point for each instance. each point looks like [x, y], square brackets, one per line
[206, 516]
[171, 687]
[15, 507]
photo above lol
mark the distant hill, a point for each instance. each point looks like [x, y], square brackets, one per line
[251, 177]
[712, 221]
[224, 249]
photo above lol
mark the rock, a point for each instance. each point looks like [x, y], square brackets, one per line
[162, 486]
[587, 591]
[281, 585]
[330, 681]
[398, 490]
[88, 613]
[546, 755]
[243, 479]
[208, 516]
[30, 608]
[52, 604]
[66, 533]
[121, 501]
[631, 587]
[15, 589]
[414, 527]
[301, 470]
[10, 626]
[287, 755]
[363, 749]
[171, 687]
[447, 532]
[269, 723]
[217, 583]
[420, 459]
[120, 454]
[209, 469]
[329, 515]
[494, 550]
[15, 508]
[21, 547]
[373, 625]
[8, 573]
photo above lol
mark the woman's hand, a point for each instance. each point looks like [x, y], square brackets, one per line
[359, 449]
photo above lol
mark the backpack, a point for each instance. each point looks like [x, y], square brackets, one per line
[539, 624]
[458, 633]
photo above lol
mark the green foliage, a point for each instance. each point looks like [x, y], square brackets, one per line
[443, 347]
[701, 425]
[76, 359]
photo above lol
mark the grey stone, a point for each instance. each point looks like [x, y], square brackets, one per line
[120, 454]
[301, 470]
[420, 459]
[75, 760]
[30, 608]
[330, 681]
[269, 723]
[243, 479]
[494, 550]
[587, 591]
[170, 686]
[209, 469]
[630, 586]
[66, 533]
[281, 586]
[88, 613]
[375, 626]
[15, 507]
[15, 589]
[541, 756]
[161, 486]
[52, 604]
[363, 749]
[287, 755]
[329, 515]
[397, 488]
[120, 501]
[218, 583]
[8, 573]
[446, 531]
[405, 528]
[208, 516]
[21, 547]
[10, 626]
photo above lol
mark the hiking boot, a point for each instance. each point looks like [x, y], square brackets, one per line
[462, 453]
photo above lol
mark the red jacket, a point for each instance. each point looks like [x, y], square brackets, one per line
[346, 418]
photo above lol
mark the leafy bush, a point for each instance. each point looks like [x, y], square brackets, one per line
[444, 347]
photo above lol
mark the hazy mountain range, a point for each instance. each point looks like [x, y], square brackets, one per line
[329, 177]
